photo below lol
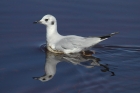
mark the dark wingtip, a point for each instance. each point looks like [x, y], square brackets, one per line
[107, 36]
[104, 37]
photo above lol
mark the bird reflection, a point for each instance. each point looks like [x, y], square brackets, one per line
[53, 59]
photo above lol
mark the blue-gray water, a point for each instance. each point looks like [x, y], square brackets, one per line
[22, 58]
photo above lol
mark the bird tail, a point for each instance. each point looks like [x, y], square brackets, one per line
[107, 36]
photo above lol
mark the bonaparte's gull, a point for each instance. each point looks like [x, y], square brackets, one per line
[67, 44]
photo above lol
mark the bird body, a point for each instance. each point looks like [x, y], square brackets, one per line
[67, 44]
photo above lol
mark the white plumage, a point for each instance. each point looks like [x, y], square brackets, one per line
[67, 44]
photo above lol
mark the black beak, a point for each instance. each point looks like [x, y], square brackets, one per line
[36, 22]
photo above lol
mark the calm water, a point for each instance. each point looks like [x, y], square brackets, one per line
[24, 62]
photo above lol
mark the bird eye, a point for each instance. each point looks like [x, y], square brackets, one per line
[43, 79]
[46, 19]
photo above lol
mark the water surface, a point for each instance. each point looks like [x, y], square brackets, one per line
[22, 57]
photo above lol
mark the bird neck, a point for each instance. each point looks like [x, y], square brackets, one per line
[51, 33]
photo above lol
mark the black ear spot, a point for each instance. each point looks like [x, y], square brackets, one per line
[50, 76]
[52, 23]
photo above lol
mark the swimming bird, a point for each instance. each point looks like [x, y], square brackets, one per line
[70, 43]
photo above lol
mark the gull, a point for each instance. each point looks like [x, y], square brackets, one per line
[70, 43]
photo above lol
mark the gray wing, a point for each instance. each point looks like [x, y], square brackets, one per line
[72, 42]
